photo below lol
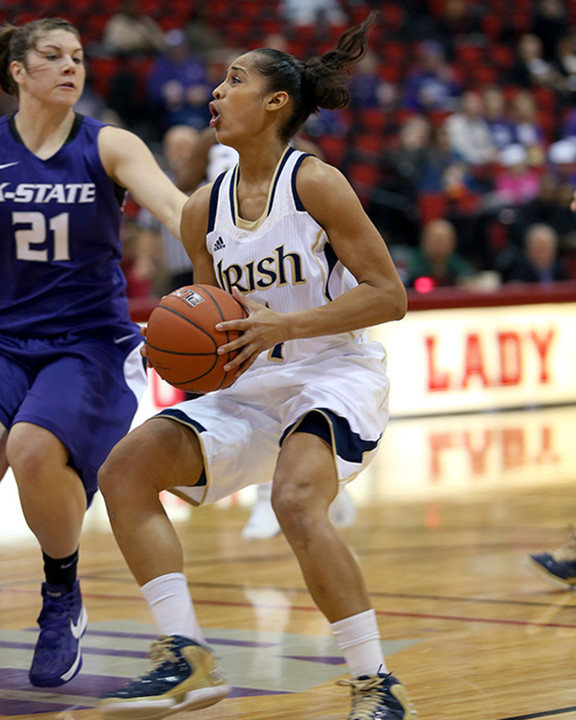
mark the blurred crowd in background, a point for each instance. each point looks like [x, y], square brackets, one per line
[460, 138]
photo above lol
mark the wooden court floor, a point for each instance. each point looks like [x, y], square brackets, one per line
[446, 519]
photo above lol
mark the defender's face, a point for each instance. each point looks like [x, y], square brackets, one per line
[54, 70]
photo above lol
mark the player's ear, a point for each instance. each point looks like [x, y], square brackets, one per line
[277, 100]
[16, 70]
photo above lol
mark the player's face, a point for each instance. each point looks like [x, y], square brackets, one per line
[238, 108]
[54, 71]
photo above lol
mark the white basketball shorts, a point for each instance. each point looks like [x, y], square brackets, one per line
[241, 428]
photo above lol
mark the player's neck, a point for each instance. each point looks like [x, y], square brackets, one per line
[44, 131]
[258, 165]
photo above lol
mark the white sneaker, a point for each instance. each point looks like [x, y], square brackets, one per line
[343, 510]
[262, 523]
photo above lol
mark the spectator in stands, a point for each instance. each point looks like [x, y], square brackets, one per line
[562, 160]
[563, 219]
[552, 206]
[129, 31]
[178, 85]
[538, 260]
[530, 68]
[468, 131]
[393, 202]
[568, 125]
[91, 103]
[550, 24]
[444, 170]
[516, 182]
[405, 163]
[565, 62]
[431, 83]
[202, 37]
[141, 261]
[126, 96]
[528, 129]
[543, 207]
[311, 12]
[368, 89]
[497, 117]
[436, 262]
[458, 20]
[177, 146]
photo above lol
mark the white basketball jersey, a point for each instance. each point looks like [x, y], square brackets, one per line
[284, 259]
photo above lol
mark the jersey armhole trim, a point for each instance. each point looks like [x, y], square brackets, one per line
[297, 202]
[214, 202]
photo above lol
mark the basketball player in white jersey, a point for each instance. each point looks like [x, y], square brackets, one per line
[208, 159]
[286, 234]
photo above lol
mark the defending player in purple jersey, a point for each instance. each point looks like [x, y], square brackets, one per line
[70, 368]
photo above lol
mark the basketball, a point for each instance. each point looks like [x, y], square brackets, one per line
[182, 340]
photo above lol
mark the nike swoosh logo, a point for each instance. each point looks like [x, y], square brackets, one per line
[2, 167]
[119, 340]
[78, 628]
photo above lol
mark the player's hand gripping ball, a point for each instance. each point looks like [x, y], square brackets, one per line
[182, 340]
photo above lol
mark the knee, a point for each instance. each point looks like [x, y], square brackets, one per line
[30, 462]
[299, 513]
[114, 477]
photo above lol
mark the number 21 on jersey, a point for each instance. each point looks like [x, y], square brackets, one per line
[38, 230]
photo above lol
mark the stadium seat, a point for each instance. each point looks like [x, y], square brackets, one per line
[432, 206]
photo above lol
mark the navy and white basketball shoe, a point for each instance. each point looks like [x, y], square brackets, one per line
[57, 656]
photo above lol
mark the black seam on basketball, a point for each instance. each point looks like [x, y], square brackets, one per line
[187, 319]
[178, 352]
[244, 314]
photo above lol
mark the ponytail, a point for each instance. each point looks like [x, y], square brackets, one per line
[321, 82]
[6, 81]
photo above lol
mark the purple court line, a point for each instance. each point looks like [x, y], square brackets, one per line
[140, 636]
[286, 555]
[383, 613]
[85, 650]
[403, 596]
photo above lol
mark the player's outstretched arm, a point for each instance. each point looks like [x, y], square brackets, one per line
[129, 161]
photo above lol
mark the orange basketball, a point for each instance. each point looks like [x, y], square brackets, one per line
[181, 337]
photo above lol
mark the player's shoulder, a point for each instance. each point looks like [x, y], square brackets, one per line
[313, 169]
[117, 136]
[316, 176]
[198, 203]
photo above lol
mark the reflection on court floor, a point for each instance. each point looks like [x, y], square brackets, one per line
[419, 458]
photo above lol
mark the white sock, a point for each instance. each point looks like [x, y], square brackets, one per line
[358, 638]
[171, 606]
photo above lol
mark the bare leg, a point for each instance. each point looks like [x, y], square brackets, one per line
[157, 455]
[52, 495]
[305, 484]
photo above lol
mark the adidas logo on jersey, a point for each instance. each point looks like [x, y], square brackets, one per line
[219, 244]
